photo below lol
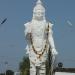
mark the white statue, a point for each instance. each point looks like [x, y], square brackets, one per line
[38, 33]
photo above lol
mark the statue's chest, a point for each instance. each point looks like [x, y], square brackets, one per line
[38, 30]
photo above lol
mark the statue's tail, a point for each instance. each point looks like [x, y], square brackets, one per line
[49, 61]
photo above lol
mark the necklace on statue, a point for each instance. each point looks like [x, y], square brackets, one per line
[39, 54]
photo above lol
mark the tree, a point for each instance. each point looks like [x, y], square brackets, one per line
[24, 66]
[2, 74]
[60, 65]
[9, 72]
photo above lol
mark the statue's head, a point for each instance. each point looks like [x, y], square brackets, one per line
[39, 11]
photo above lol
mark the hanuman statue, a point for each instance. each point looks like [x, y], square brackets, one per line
[38, 33]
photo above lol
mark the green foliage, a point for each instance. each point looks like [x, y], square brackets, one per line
[24, 66]
[9, 72]
[2, 74]
[60, 65]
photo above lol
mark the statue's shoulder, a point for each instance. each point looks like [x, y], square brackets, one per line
[50, 25]
[27, 24]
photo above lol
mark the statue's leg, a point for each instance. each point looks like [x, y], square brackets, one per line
[32, 69]
[42, 70]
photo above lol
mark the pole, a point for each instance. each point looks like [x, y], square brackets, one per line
[6, 64]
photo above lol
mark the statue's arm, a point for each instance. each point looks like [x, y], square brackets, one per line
[27, 30]
[51, 40]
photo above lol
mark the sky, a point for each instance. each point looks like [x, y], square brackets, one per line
[12, 40]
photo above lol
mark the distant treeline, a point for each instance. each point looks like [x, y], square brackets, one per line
[2, 74]
[72, 70]
[8, 72]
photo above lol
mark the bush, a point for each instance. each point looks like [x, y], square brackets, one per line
[2, 74]
[9, 72]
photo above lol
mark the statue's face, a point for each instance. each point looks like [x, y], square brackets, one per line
[39, 14]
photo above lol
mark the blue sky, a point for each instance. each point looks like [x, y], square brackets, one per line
[18, 12]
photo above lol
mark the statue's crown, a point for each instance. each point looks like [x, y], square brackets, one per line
[39, 2]
[39, 6]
